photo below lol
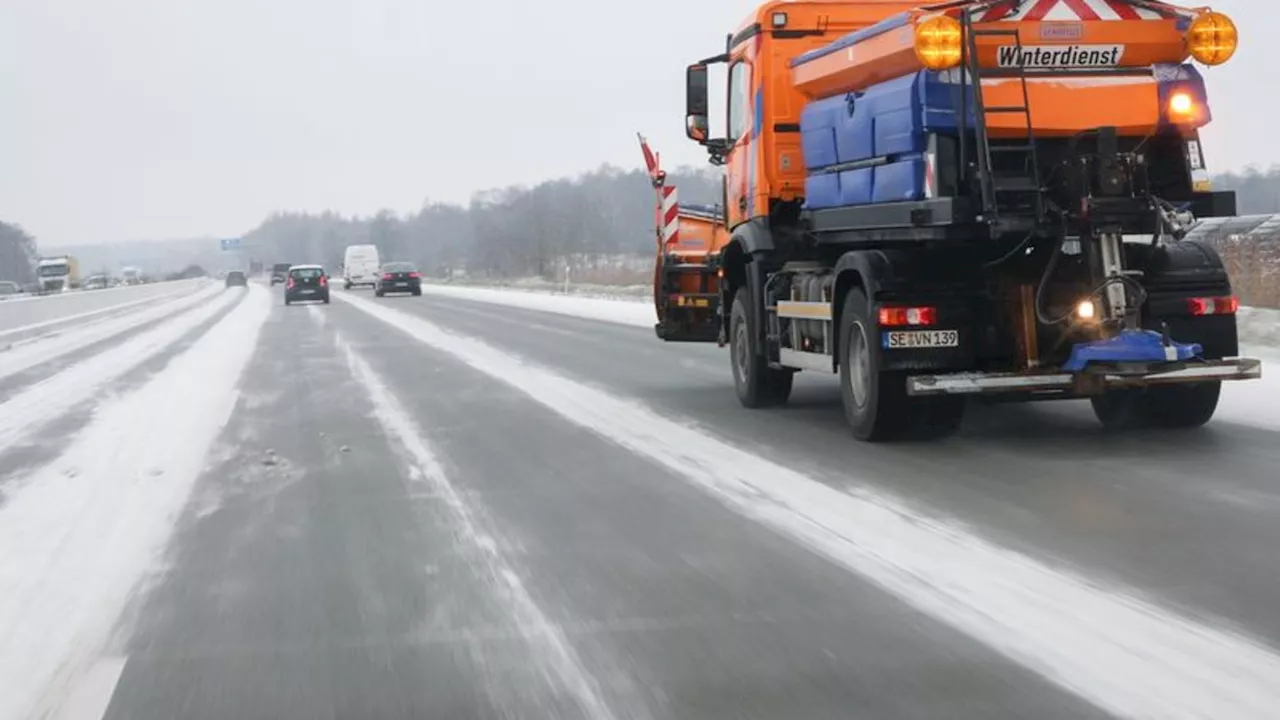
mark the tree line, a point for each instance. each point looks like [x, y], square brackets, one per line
[516, 231]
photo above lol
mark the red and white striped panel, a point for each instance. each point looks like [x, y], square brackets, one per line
[670, 213]
[1069, 10]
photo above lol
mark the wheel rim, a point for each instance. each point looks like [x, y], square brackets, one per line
[859, 365]
[741, 353]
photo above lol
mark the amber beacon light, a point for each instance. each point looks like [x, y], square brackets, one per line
[1212, 38]
[938, 42]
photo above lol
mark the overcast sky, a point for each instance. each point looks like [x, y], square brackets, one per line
[140, 119]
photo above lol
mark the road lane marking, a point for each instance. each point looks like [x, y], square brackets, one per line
[1127, 655]
[81, 316]
[80, 533]
[551, 647]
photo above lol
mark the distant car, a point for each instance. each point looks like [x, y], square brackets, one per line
[306, 282]
[95, 282]
[400, 277]
[9, 289]
[279, 273]
[235, 278]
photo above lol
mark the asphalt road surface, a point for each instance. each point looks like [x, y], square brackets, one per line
[431, 507]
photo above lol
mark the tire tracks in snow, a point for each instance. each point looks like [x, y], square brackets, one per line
[37, 405]
[81, 533]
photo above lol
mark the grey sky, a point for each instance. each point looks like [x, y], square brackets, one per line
[132, 119]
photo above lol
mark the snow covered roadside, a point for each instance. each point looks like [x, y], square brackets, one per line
[38, 404]
[28, 354]
[82, 532]
[636, 312]
[1129, 656]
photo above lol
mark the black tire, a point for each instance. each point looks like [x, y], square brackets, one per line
[378, 293]
[1167, 406]
[417, 293]
[326, 299]
[756, 384]
[287, 301]
[876, 404]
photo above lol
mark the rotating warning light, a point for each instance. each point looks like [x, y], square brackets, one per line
[1086, 310]
[1212, 38]
[1181, 104]
[938, 42]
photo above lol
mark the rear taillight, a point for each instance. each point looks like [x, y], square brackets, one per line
[899, 316]
[1227, 305]
[324, 281]
[388, 276]
[290, 283]
[413, 275]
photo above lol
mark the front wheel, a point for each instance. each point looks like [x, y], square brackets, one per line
[756, 384]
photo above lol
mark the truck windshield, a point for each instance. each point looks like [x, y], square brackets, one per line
[52, 270]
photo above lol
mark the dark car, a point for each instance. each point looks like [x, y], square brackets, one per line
[306, 282]
[235, 278]
[399, 277]
[279, 272]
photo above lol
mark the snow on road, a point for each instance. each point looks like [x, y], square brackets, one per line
[31, 353]
[38, 404]
[94, 522]
[1129, 656]
[624, 312]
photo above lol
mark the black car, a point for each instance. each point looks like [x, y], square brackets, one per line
[235, 278]
[279, 272]
[306, 282]
[399, 277]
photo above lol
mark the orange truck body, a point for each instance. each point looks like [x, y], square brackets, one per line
[765, 162]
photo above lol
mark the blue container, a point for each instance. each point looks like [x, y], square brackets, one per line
[899, 181]
[818, 132]
[856, 186]
[855, 131]
[822, 191]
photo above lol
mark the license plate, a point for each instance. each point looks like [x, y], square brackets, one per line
[307, 292]
[905, 340]
[402, 284]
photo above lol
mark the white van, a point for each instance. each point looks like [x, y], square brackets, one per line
[360, 266]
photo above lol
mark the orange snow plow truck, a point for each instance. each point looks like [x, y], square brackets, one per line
[972, 199]
[686, 282]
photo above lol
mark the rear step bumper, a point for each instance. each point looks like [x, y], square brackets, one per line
[1090, 382]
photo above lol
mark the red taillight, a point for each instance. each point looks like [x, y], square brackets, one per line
[324, 281]
[1227, 305]
[899, 316]
[290, 283]
[388, 276]
[414, 275]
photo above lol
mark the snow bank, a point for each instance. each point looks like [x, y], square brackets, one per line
[1258, 326]
[1129, 656]
[28, 410]
[626, 312]
[80, 533]
[28, 354]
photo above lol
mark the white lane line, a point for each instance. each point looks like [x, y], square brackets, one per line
[621, 312]
[91, 695]
[47, 348]
[552, 649]
[84, 315]
[38, 404]
[81, 533]
[1127, 655]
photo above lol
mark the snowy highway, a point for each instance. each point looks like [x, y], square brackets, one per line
[493, 504]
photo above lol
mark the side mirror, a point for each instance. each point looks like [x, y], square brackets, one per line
[695, 126]
[696, 107]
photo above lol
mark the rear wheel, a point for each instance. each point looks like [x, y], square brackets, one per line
[876, 403]
[756, 384]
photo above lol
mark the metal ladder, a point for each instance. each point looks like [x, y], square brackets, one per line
[992, 186]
